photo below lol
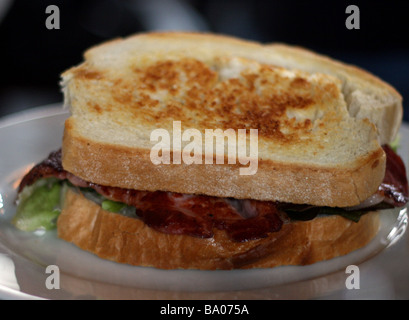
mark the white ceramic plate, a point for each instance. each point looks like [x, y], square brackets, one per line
[28, 137]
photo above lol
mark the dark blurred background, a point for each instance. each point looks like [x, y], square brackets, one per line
[32, 57]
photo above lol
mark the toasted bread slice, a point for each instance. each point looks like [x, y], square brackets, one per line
[315, 144]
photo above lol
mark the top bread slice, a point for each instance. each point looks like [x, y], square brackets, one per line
[320, 123]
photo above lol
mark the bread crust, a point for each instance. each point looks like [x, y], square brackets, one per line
[128, 240]
[132, 168]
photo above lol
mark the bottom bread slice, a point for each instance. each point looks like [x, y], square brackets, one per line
[129, 240]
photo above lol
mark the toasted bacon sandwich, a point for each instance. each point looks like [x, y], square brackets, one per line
[325, 165]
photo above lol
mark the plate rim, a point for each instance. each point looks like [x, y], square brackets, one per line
[34, 113]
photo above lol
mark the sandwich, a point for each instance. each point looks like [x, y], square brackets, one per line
[203, 151]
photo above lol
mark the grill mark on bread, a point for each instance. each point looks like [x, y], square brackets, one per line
[88, 74]
[216, 95]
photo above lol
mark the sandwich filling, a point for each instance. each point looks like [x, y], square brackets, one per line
[42, 188]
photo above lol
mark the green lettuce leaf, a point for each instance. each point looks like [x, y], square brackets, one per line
[112, 206]
[395, 144]
[39, 206]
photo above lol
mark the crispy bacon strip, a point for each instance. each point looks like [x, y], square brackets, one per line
[395, 184]
[50, 167]
[197, 215]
